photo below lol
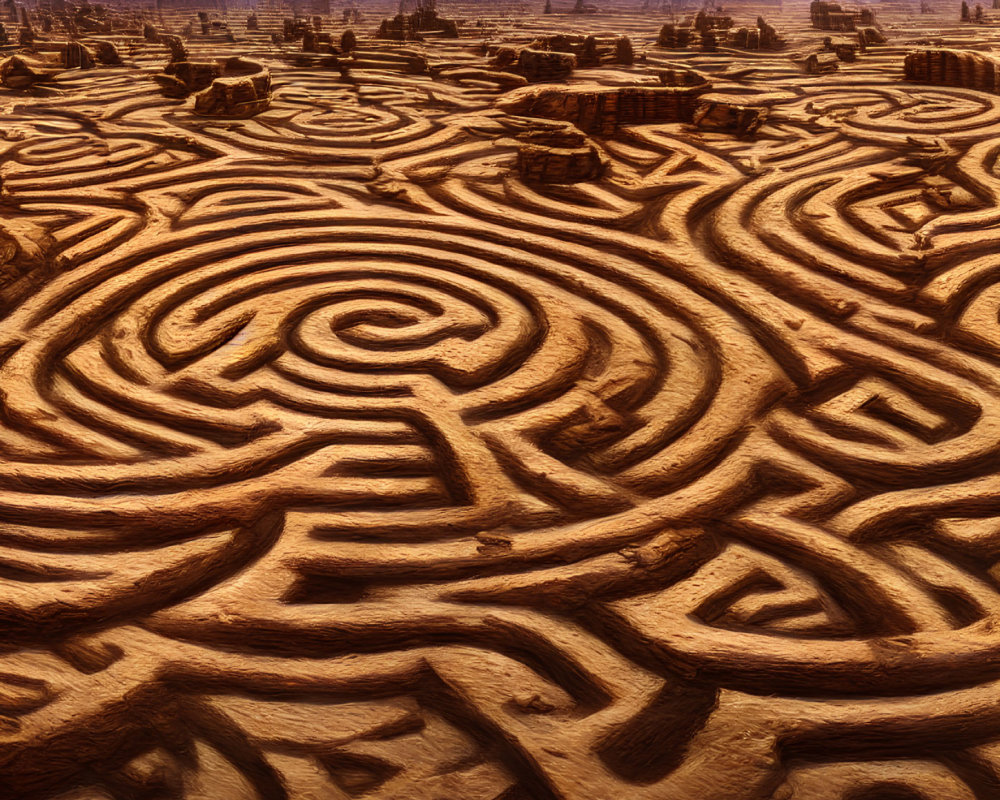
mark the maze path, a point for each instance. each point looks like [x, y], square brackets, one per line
[336, 460]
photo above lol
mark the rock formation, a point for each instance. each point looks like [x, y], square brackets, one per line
[729, 118]
[236, 87]
[682, 77]
[710, 31]
[818, 63]
[963, 68]
[591, 50]
[675, 36]
[870, 37]
[75, 54]
[558, 156]
[408, 62]
[534, 65]
[242, 89]
[834, 17]
[22, 72]
[761, 37]
[704, 21]
[844, 50]
[294, 29]
[413, 27]
[602, 110]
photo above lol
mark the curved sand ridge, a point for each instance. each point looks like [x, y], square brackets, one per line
[341, 460]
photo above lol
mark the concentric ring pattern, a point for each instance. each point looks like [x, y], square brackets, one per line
[340, 459]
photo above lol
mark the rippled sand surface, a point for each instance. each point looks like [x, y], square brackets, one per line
[342, 459]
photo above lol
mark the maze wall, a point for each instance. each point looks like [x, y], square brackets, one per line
[340, 462]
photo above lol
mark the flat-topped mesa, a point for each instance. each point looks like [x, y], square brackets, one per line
[315, 41]
[761, 37]
[295, 29]
[544, 65]
[677, 36]
[424, 21]
[682, 77]
[182, 78]
[704, 21]
[711, 31]
[236, 87]
[558, 156]
[242, 90]
[92, 19]
[105, 52]
[821, 63]
[843, 49]
[534, 65]
[215, 27]
[602, 111]
[835, 17]
[75, 54]
[945, 67]
[590, 51]
[706, 31]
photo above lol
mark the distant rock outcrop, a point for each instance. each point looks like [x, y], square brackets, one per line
[241, 90]
[735, 119]
[711, 31]
[945, 67]
[236, 87]
[602, 111]
[413, 27]
[558, 156]
[834, 17]
[21, 72]
[818, 63]
[590, 51]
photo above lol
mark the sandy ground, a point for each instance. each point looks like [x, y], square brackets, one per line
[339, 459]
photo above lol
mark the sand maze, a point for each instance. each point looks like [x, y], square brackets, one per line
[340, 458]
